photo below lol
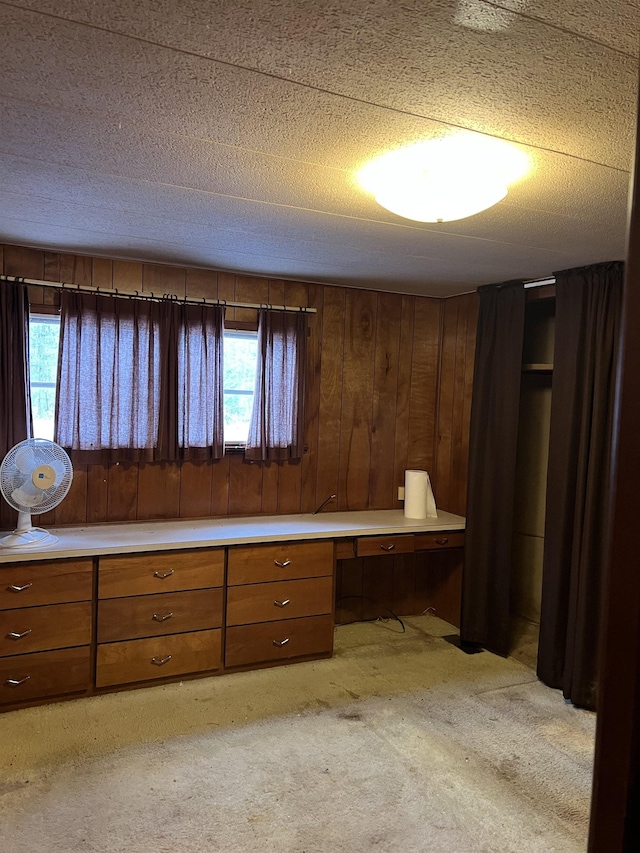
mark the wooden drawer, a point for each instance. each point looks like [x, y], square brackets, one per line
[274, 641]
[435, 541]
[163, 571]
[263, 602]
[34, 629]
[27, 677]
[47, 582]
[158, 657]
[153, 615]
[280, 561]
[370, 546]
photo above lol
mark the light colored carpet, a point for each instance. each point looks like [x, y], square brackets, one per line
[401, 742]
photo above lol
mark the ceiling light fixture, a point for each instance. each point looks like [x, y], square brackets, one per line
[444, 179]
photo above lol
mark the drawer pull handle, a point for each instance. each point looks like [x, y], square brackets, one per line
[282, 603]
[163, 575]
[16, 682]
[162, 617]
[282, 565]
[14, 587]
[281, 642]
[161, 661]
[387, 547]
[18, 635]
[442, 541]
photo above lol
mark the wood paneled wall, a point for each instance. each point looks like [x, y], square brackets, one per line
[388, 388]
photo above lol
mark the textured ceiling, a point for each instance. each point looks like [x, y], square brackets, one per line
[226, 134]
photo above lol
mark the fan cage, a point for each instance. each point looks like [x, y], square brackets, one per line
[44, 452]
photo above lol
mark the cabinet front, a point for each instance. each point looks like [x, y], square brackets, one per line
[158, 657]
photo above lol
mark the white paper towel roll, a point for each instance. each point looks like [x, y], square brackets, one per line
[419, 501]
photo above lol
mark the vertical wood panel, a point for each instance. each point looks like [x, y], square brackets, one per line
[159, 280]
[349, 591]
[458, 455]
[201, 284]
[127, 276]
[385, 389]
[442, 474]
[21, 261]
[404, 584]
[330, 393]
[97, 493]
[75, 269]
[102, 273]
[403, 395]
[195, 489]
[377, 587]
[122, 494]
[313, 373]
[357, 393]
[424, 385]
[159, 490]
[454, 410]
[73, 509]
[227, 290]
[245, 486]
[220, 487]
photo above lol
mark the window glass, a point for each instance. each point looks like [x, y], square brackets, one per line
[240, 359]
[44, 334]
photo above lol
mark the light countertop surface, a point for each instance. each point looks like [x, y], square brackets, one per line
[135, 536]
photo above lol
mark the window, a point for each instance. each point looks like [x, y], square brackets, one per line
[44, 334]
[240, 358]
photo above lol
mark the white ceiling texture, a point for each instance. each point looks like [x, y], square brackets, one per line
[227, 134]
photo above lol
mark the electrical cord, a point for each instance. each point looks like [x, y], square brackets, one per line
[378, 604]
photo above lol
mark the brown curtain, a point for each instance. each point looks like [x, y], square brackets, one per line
[121, 369]
[588, 310]
[276, 428]
[492, 462]
[15, 398]
[200, 427]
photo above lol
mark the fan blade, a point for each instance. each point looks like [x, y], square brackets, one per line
[60, 468]
[26, 459]
[27, 497]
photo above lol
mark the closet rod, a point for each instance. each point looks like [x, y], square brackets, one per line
[135, 295]
[539, 282]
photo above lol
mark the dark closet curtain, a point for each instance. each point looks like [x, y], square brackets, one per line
[276, 428]
[492, 462]
[588, 309]
[15, 400]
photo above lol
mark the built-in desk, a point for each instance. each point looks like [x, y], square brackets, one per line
[111, 606]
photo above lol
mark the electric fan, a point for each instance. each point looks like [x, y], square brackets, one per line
[35, 476]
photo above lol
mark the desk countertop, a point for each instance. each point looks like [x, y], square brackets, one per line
[136, 536]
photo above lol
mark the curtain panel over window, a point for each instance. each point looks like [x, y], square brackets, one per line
[15, 403]
[276, 428]
[139, 380]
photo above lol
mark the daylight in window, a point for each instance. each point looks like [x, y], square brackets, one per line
[240, 358]
[44, 332]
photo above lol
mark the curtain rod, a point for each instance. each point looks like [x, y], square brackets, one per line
[135, 295]
[539, 282]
